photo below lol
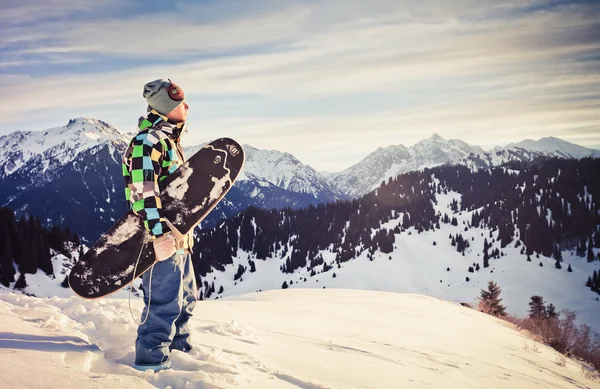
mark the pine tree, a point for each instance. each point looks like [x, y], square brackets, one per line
[486, 259]
[551, 311]
[557, 254]
[221, 289]
[557, 264]
[68, 235]
[581, 248]
[406, 221]
[7, 270]
[284, 285]
[492, 301]
[537, 308]
[590, 253]
[21, 283]
[240, 272]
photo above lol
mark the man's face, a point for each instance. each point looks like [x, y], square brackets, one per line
[180, 113]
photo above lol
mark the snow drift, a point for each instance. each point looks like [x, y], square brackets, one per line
[310, 338]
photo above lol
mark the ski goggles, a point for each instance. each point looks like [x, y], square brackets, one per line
[175, 92]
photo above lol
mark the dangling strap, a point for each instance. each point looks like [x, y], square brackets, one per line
[149, 289]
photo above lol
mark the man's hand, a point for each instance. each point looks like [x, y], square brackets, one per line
[164, 247]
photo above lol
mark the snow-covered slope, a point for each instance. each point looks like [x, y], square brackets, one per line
[310, 339]
[44, 286]
[391, 161]
[56, 146]
[426, 263]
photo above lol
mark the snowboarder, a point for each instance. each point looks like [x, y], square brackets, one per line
[170, 286]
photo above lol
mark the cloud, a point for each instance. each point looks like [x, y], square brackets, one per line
[16, 12]
[306, 73]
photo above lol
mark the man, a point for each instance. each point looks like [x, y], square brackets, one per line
[170, 286]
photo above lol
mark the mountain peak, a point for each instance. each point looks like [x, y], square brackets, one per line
[60, 143]
[553, 147]
[437, 137]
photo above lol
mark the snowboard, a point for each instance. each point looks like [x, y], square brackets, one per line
[125, 251]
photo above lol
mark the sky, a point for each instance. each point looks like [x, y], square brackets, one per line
[326, 80]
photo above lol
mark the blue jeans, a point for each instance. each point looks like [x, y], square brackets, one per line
[173, 298]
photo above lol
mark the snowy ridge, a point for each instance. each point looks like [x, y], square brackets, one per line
[336, 339]
[393, 160]
[272, 168]
[285, 171]
[552, 147]
[56, 146]
[528, 150]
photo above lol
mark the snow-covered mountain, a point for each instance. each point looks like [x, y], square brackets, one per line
[393, 160]
[551, 147]
[529, 150]
[445, 232]
[427, 263]
[66, 175]
[274, 179]
[286, 339]
[56, 146]
[271, 167]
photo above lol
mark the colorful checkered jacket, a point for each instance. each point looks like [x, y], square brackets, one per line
[153, 154]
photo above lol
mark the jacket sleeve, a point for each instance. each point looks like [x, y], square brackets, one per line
[142, 174]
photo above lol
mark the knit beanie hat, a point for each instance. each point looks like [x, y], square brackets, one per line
[164, 96]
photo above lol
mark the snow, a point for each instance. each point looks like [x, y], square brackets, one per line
[393, 160]
[417, 266]
[311, 338]
[552, 146]
[60, 145]
[219, 186]
[179, 187]
[124, 232]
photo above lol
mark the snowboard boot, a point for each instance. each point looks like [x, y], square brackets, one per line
[157, 367]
